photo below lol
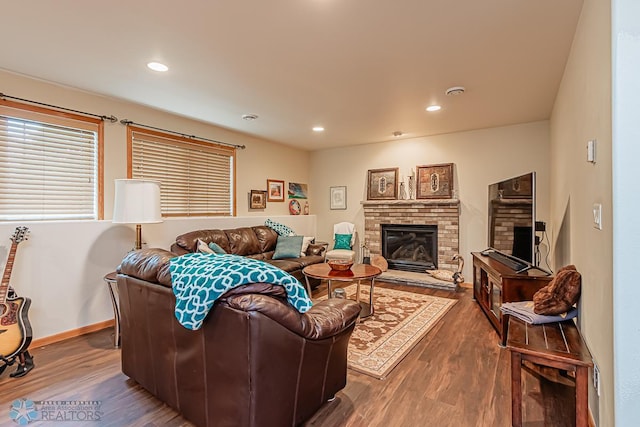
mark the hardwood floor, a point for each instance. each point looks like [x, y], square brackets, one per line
[456, 376]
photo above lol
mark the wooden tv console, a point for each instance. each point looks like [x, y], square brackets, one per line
[495, 283]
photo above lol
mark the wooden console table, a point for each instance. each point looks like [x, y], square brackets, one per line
[557, 345]
[495, 283]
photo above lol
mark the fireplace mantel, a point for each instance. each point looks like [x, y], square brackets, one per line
[411, 202]
[445, 213]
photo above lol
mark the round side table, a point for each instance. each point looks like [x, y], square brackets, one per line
[112, 283]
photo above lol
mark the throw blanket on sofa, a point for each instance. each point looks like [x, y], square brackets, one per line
[200, 279]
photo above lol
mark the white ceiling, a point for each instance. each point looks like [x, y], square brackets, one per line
[361, 68]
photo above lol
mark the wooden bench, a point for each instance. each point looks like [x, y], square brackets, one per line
[557, 345]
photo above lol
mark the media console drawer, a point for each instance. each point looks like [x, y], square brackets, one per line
[495, 284]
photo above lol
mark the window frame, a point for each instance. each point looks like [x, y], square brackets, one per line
[188, 142]
[26, 111]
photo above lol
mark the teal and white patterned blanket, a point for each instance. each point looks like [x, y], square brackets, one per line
[200, 279]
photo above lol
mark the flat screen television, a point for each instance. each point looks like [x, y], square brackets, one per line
[512, 211]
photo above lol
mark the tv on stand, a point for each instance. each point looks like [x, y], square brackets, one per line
[511, 220]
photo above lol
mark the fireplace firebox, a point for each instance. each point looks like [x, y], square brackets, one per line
[410, 247]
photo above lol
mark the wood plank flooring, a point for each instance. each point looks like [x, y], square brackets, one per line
[456, 376]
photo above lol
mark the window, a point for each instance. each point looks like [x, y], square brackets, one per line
[50, 164]
[197, 177]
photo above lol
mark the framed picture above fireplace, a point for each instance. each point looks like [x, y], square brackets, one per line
[382, 184]
[434, 181]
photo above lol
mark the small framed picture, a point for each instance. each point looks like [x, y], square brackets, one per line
[434, 181]
[258, 199]
[338, 198]
[297, 191]
[382, 184]
[275, 190]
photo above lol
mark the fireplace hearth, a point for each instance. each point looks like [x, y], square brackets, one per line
[410, 247]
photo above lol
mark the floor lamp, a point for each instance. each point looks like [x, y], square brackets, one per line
[137, 201]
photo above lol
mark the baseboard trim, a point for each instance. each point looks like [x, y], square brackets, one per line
[41, 342]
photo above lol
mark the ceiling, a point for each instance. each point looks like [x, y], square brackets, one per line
[361, 68]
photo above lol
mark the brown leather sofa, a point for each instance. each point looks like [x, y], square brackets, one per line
[256, 361]
[257, 242]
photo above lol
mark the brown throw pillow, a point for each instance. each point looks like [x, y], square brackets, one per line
[560, 294]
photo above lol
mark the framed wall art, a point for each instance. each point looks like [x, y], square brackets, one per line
[297, 191]
[338, 198]
[258, 199]
[275, 190]
[434, 181]
[382, 184]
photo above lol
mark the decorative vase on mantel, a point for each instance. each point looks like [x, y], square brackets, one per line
[403, 192]
[410, 187]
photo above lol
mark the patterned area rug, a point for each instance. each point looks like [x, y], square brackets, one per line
[400, 321]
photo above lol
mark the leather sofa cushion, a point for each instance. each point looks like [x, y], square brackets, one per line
[243, 241]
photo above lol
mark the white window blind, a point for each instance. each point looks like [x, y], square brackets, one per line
[48, 167]
[196, 177]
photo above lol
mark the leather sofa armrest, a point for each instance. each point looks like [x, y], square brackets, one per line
[151, 265]
[325, 319]
[316, 249]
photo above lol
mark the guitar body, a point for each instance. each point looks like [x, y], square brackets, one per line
[15, 329]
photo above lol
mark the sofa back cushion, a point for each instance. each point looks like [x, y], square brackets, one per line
[243, 241]
[267, 237]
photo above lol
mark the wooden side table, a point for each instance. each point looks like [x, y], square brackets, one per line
[112, 283]
[557, 345]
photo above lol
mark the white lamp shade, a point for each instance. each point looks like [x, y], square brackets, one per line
[137, 201]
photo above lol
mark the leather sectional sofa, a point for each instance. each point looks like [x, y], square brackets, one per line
[258, 242]
[256, 361]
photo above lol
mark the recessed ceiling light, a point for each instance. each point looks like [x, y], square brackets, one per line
[156, 66]
[249, 117]
[318, 129]
[432, 108]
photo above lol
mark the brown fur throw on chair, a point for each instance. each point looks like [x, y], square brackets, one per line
[560, 294]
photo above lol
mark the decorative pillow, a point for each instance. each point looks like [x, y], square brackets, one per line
[203, 248]
[306, 241]
[216, 248]
[288, 247]
[560, 294]
[343, 241]
[281, 229]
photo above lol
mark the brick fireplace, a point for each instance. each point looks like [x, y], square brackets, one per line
[443, 213]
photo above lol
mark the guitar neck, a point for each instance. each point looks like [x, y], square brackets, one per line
[4, 287]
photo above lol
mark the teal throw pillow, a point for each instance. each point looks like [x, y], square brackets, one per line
[288, 247]
[343, 241]
[216, 248]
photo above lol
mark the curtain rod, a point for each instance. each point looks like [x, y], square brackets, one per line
[129, 122]
[111, 118]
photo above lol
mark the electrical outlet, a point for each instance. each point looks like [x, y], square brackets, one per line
[596, 377]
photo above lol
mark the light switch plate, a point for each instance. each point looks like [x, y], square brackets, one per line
[597, 216]
[591, 151]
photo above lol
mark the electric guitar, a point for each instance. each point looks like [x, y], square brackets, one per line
[15, 329]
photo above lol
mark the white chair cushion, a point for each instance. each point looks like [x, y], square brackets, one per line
[342, 254]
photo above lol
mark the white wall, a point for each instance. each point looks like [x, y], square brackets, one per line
[62, 264]
[481, 157]
[582, 111]
[626, 227]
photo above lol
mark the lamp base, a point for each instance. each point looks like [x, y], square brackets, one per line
[138, 237]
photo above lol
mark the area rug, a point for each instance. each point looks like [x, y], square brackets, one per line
[400, 321]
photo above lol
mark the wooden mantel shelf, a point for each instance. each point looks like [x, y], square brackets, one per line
[411, 202]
